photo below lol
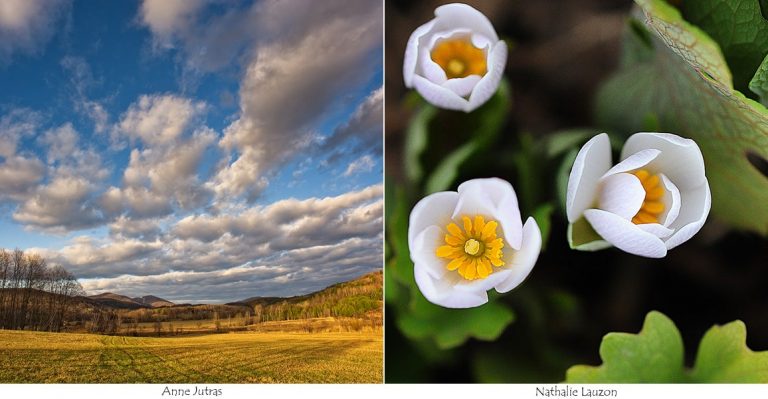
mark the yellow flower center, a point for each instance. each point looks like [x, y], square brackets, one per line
[474, 251]
[459, 58]
[652, 206]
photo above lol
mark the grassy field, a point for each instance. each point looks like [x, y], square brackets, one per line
[250, 357]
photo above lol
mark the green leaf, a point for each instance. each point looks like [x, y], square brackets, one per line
[654, 355]
[759, 83]
[563, 141]
[487, 122]
[452, 327]
[725, 358]
[688, 87]
[543, 216]
[738, 28]
[582, 237]
[416, 139]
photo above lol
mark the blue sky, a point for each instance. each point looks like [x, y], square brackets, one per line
[195, 150]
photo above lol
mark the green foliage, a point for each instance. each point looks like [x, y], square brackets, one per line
[759, 83]
[687, 89]
[452, 327]
[655, 355]
[738, 28]
[482, 129]
[725, 358]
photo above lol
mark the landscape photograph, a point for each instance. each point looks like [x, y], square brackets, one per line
[191, 191]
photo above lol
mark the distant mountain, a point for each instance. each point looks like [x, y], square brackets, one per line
[153, 301]
[117, 301]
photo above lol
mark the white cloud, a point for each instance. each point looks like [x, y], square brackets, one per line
[276, 113]
[360, 165]
[169, 18]
[26, 25]
[159, 119]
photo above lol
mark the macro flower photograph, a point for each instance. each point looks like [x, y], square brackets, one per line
[576, 191]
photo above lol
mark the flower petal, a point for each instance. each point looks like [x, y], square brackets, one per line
[423, 251]
[656, 229]
[524, 259]
[451, 16]
[429, 68]
[622, 194]
[432, 210]
[412, 52]
[671, 202]
[487, 86]
[593, 160]
[494, 198]
[442, 293]
[693, 213]
[462, 86]
[680, 158]
[485, 284]
[437, 95]
[625, 235]
[634, 161]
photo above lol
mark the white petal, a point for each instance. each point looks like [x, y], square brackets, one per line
[432, 210]
[593, 160]
[622, 194]
[671, 202]
[451, 16]
[462, 86]
[494, 198]
[680, 158]
[656, 229]
[484, 284]
[437, 95]
[442, 293]
[481, 41]
[429, 68]
[485, 89]
[423, 251]
[693, 213]
[524, 259]
[634, 161]
[412, 52]
[625, 235]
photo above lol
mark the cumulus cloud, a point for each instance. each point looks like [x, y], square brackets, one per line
[26, 25]
[275, 110]
[19, 173]
[168, 19]
[65, 202]
[159, 119]
[60, 205]
[19, 176]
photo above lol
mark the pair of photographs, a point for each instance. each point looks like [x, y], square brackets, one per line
[268, 191]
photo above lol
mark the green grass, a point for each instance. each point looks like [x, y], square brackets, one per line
[37, 357]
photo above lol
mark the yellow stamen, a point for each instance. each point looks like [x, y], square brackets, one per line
[652, 206]
[459, 58]
[472, 247]
[475, 251]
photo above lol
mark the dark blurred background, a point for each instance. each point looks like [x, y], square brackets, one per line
[561, 50]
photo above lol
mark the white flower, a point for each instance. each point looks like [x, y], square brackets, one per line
[655, 199]
[467, 242]
[456, 60]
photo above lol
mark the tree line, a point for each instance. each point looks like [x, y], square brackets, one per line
[34, 295]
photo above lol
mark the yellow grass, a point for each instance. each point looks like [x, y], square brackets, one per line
[250, 357]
